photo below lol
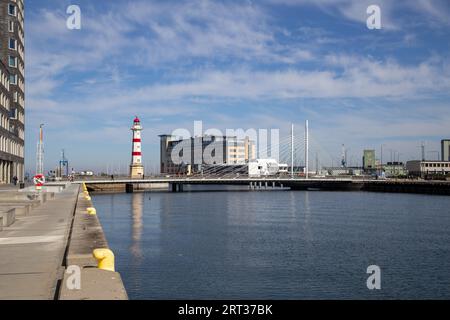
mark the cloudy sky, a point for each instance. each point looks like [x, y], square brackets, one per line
[236, 64]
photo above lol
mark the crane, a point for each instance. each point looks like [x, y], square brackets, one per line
[64, 164]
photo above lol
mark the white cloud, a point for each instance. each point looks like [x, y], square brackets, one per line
[439, 10]
[435, 11]
[360, 78]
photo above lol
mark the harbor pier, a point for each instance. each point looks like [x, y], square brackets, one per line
[176, 184]
[47, 244]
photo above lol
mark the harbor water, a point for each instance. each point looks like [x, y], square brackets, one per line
[279, 244]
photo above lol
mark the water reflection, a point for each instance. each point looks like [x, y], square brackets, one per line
[307, 219]
[137, 208]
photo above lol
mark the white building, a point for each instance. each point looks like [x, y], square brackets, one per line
[420, 168]
[204, 150]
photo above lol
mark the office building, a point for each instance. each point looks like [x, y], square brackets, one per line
[12, 90]
[422, 168]
[369, 161]
[187, 156]
[394, 169]
[445, 150]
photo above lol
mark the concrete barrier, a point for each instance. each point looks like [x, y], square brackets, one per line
[18, 196]
[96, 284]
[31, 203]
[8, 217]
[55, 188]
[51, 187]
[43, 197]
[22, 210]
[99, 281]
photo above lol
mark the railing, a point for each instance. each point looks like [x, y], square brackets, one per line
[209, 179]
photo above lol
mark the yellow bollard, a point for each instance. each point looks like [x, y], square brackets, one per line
[86, 193]
[84, 187]
[91, 211]
[105, 259]
[88, 198]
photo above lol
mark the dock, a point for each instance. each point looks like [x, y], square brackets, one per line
[44, 237]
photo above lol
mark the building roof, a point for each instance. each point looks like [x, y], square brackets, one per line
[429, 161]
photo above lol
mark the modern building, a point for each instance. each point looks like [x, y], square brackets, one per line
[186, 156]
[344, 171]
[394, 169]
[369, 161]
[445, 150]
[421, 168]
[12, 90]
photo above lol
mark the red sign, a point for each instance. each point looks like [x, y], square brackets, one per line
[39, 180]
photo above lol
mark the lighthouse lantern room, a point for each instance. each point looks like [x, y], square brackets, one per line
[136, 167]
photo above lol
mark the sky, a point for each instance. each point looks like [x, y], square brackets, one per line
[236, 64]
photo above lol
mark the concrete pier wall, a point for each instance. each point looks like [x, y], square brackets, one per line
[177, 185]
[86, 236]
[121, 187]
[418, 187]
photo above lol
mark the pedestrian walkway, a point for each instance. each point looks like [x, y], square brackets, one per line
[32, 248]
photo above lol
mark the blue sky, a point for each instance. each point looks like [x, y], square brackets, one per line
[236, 64]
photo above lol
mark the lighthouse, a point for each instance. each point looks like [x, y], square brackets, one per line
[136, 167]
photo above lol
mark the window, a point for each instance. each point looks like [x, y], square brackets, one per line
[12, 44]
[11, 26]
[13, 114]
[12, 61]
[12, 9]
[13, 78]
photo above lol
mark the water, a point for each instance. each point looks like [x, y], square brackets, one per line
[278, 245]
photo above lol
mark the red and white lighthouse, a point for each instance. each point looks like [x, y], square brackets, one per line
[136, 167]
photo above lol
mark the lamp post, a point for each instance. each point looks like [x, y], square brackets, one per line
[381, 159]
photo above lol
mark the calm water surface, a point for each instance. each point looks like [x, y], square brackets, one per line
[278, 245]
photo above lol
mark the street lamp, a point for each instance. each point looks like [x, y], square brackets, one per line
[381, 159]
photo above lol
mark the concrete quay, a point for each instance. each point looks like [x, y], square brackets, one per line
[175, 184]
[86, 236]
[43, 236]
